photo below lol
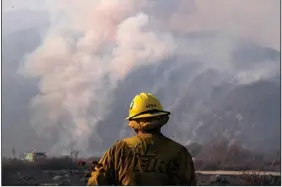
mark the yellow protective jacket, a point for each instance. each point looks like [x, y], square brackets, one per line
[145, 159]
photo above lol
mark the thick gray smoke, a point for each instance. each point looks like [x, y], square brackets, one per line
[92, 46]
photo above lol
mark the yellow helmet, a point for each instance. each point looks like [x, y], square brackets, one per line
[145, 105]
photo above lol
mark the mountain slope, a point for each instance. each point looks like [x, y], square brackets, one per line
[249, 115]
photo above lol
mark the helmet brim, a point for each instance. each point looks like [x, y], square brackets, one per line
[148, 115]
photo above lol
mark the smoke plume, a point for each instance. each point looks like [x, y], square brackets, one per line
[92, 46]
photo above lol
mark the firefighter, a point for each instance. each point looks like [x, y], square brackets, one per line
[149, 157]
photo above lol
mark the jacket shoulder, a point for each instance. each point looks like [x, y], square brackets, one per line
[131, 141]
[126, 143]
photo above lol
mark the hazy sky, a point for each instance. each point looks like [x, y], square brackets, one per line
[8, 5]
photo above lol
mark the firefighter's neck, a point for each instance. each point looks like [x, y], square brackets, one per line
[151, 131]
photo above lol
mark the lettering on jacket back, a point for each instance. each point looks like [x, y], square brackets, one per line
[150, 162]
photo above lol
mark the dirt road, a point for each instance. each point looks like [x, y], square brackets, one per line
[261, 173]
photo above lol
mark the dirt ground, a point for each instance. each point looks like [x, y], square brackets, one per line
[77, 178]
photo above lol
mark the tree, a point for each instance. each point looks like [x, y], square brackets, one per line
[74, 153]
[14, 152]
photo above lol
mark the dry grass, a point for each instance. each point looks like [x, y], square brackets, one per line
[257, 180]
[48, 164]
